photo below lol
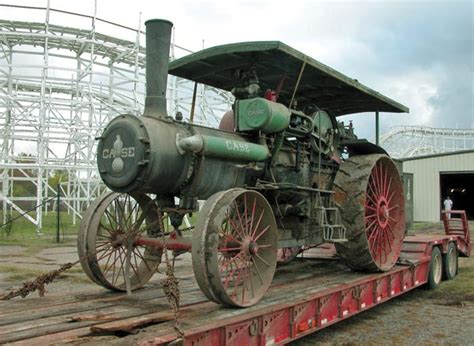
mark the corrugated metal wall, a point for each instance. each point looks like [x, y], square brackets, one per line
[426, 194]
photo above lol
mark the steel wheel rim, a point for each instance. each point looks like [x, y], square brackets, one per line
[452, 261]
[241, 235]
[383, 213]
[108, 236]
[437, 270]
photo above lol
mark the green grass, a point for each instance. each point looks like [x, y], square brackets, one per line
[23, 232]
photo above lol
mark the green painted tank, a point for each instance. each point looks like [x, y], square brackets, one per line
[164, 156]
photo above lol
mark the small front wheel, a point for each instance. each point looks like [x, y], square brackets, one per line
[435, 270]
[106, 241]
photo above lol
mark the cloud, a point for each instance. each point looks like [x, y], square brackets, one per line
[419, 53]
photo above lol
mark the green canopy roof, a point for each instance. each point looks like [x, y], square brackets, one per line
[319, 84]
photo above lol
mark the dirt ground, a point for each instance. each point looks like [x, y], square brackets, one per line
[444, 316]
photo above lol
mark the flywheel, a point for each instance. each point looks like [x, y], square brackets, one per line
[369, 194]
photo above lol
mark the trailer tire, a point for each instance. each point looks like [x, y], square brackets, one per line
[450, 262]
[436, 269]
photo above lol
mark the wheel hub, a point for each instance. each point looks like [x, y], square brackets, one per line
[383, 214]
[250, 247]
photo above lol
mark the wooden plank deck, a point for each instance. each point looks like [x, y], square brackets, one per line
[62, 317]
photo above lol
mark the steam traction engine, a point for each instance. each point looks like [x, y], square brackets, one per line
[280, 173]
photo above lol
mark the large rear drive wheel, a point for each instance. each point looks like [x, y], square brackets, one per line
[234, 247]
[369, 195]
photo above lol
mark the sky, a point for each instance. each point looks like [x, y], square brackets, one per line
[420, 53]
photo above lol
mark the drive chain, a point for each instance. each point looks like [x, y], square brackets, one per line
[171, 283]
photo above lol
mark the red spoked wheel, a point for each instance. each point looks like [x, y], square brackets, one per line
[105, 241]
[369, 194]
[234, 247]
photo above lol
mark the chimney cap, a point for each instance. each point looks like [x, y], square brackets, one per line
[158, 20]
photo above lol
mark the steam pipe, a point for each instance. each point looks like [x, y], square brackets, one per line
[158, 39]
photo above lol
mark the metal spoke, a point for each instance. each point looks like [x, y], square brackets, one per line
[258, 271]
[234, 227]
[229, 249]
[258, 224]
[110, 227]
[261, 233]
[252, 218]
[246, 215]
[143, 259]
[240, 220]
[261, 259]
[107, 263]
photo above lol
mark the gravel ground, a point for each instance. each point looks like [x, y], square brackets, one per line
[414, 318]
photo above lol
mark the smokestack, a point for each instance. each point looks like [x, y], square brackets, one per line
[158, 37]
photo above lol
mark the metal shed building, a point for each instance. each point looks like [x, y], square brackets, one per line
[433, 177]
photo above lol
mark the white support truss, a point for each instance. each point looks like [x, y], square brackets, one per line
[409, 141]
[59, 86]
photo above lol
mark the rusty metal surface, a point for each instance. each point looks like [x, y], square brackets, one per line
[106, 229]
[369, 193]
[234, 247]
[177, 244]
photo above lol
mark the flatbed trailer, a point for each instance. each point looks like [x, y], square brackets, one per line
[308, 294]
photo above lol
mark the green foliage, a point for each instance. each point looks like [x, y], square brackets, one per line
[57, 178]
[24, 189]
[7, 228]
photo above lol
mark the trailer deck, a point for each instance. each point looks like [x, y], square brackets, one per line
[306, 295]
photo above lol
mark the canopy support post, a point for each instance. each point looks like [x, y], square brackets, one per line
[377, 127]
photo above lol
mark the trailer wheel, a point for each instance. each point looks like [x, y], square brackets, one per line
[450, 262]
[435, 273]
[103, 238]
[234, 247]
[369, 194]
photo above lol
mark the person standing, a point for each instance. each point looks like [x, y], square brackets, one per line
[448, 205]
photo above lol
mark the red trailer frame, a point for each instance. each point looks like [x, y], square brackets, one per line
[284, 320]
[306, 295]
